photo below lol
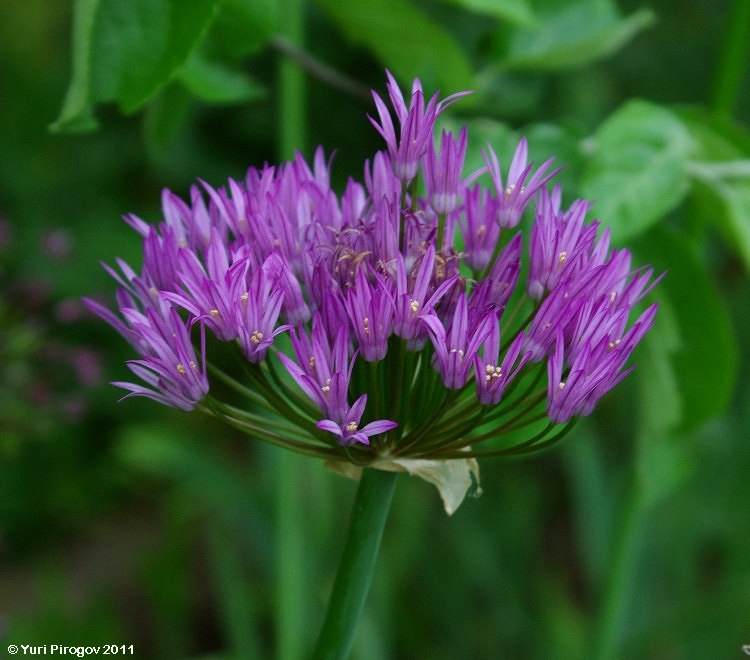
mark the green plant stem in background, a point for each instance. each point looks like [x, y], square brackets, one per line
[617, 590]
[369, 512]
[291, 533]
[733, 59]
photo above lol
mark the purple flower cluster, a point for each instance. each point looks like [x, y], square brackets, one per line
[383, 302]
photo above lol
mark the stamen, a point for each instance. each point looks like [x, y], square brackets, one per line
[215, 313]
[414, 304]
[351, 427]
[563, 258]
[256, 337]
[181, 369]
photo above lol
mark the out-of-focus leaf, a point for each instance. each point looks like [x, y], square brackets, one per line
[702, 348]
[405, 39]
[513, 11]
[661, 461]
[166, 116]
[243, 27]
[638, 169]
[216, 83]
[572, 35]
[76, 111]
[126, 50]
[722, 170]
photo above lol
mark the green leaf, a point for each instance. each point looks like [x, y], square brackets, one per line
[243, 27]
[76, 111]
[126, 50]
[216, 83]
[405, 39]
[722, 173]
[638, 170]
[518, 12]
[572, 35]
[701, 346]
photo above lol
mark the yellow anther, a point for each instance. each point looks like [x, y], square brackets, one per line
[181, 369]
[414, 304]
[351, 427]
[215, 313]
[562, 259]
[256, 337]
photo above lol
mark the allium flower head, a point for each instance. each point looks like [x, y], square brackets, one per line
[357, 333]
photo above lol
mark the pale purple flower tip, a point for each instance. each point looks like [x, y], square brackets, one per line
[518, 192]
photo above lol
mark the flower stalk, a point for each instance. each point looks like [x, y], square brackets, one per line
[369, 512]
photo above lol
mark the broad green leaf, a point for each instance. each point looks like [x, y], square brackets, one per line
[513, 11]
[572, 35]
[406, 40]
[703, 350]
[217, 83]
[638, 169]
[126, 50]
[722, 173]
[687, 365]
[660, 460]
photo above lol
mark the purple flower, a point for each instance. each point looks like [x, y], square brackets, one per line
[322, 371]
[281, 250]
[480, 227]
[442, 172]
[560, 245]
[416, 122]
[412, 303]
[259, 311]
[596, 369]
[514, 196]
[370, 309]
[455, 349]
[169, 364]
[348, 431]
[491, 376]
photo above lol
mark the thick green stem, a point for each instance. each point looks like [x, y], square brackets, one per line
[369, 512]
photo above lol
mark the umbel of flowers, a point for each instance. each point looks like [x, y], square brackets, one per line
[408, 317]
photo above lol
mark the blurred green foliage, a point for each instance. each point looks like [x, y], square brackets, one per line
[131, 524]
